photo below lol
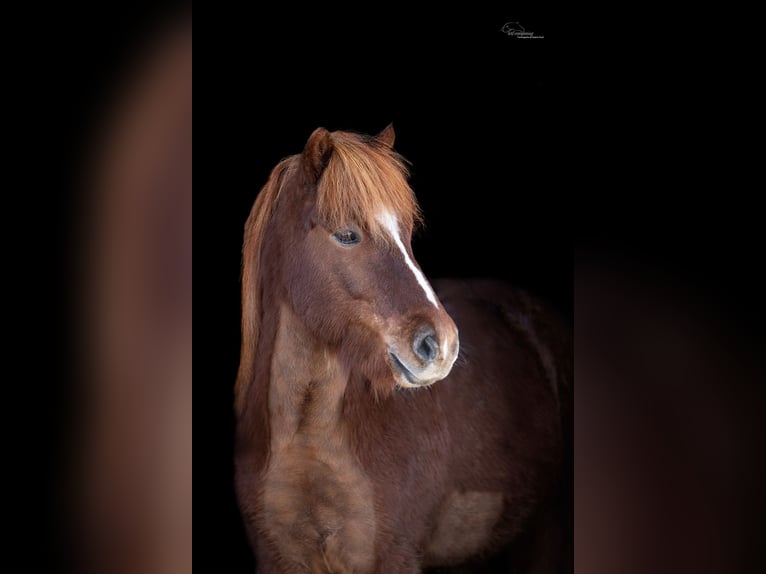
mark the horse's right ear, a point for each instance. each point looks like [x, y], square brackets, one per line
[317, 153]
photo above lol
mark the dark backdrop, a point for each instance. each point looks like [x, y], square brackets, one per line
[474, 112]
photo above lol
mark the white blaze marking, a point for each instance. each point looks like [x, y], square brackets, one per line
[389, 221]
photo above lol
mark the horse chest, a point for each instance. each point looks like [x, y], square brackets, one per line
[317, 507]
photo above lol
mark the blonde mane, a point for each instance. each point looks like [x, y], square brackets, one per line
[255, 227]
[362, 179]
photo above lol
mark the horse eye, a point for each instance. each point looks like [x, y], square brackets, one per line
[346, 237]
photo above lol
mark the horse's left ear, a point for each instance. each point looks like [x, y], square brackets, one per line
[387, 136]
[317, 153]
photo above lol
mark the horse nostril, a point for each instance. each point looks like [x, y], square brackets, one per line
[425, 347]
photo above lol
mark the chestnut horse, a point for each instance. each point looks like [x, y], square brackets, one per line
[370, 438]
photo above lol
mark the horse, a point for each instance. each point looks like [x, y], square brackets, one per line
[386, 423]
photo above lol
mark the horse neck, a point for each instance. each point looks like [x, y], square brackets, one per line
[306, 385]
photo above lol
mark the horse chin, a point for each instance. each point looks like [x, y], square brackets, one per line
[403, 383]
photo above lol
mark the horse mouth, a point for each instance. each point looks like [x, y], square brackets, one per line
[408, 375]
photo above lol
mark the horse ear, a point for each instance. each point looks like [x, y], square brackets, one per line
[317, 153]
[387, 136]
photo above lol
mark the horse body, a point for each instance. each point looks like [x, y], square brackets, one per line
[350, 456]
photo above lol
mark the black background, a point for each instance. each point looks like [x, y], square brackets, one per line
[474, 112]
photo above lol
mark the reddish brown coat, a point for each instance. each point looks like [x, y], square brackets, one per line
[340, 468]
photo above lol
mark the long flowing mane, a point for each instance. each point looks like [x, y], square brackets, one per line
[256, 224]
[362, 177]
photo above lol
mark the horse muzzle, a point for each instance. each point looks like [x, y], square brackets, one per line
[427, 358]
